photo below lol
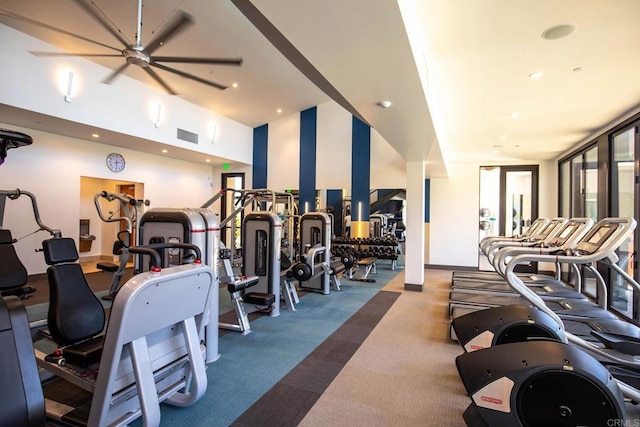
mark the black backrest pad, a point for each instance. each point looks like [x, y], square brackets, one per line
[60, 250]
[12, 272]
[75, 313]
[20, 390]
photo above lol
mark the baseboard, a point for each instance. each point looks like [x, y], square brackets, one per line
[413, 287]
[95, 258]
[467, 268]
[449, 267]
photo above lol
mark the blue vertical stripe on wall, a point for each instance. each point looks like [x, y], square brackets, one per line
[307, 180]
[260, 152]
[360, 169]
[334, 199]
[427, 201]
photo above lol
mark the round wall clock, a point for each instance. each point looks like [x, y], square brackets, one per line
[115, 162]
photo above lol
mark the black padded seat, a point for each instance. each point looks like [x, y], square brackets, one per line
[75, 313]
[20, 391]
[336, 268]
[107, 266]
[259, 298]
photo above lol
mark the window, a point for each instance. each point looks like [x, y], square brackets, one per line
[579, 198]
[623, 204]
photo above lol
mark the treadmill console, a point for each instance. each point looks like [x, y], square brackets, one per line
[595, 239]
[561, 239]
[547, 230]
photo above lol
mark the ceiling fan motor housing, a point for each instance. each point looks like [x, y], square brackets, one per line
[136, 57]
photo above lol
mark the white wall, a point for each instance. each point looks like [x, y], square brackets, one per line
[388, 168]
[454, 211]
[52, 168]
[283, 157]
[333, 142]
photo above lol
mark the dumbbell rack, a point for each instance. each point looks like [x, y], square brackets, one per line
[381, 248]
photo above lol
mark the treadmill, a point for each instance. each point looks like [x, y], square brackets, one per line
[568, 236]
[598, 244]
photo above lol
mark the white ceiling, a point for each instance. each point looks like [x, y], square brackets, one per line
[458, 75]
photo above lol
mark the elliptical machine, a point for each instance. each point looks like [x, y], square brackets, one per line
[131, 209]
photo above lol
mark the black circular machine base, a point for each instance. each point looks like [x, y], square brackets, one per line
[563, 398]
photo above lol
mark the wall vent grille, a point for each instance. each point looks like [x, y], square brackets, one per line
[185, 135]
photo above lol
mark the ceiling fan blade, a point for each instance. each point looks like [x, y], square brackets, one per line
[105, 24]
[183, 60]
[88, 55]
[187, 75]
[157, 78]
[115, 74]
[52, 28]
[175, 27]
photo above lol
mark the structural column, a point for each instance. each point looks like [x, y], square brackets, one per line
[415, 233]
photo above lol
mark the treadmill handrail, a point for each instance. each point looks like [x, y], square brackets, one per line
[606, 250]
[609, 246]
[535, 227]
[560, 225]
[583, 226]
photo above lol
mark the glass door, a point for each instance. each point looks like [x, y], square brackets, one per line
[624, 193]
[508, 203]
[231, 233]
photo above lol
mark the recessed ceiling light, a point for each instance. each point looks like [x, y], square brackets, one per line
[495, 147]
[577, 69]
[234, 85]
[384, 104]
[536, 75]
[95, 135]
[559, 31]
[279, 110]
[165, 151]
[503, 137]
[514, 115]
[207, 160]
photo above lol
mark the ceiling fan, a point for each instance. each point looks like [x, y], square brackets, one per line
[137, 53]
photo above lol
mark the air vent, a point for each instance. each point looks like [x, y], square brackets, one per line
[185, 135]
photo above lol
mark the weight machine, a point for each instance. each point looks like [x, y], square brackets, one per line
[315, 271]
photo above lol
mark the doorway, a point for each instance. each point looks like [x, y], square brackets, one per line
[105, 232]
[508, 203]
[231, 234]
